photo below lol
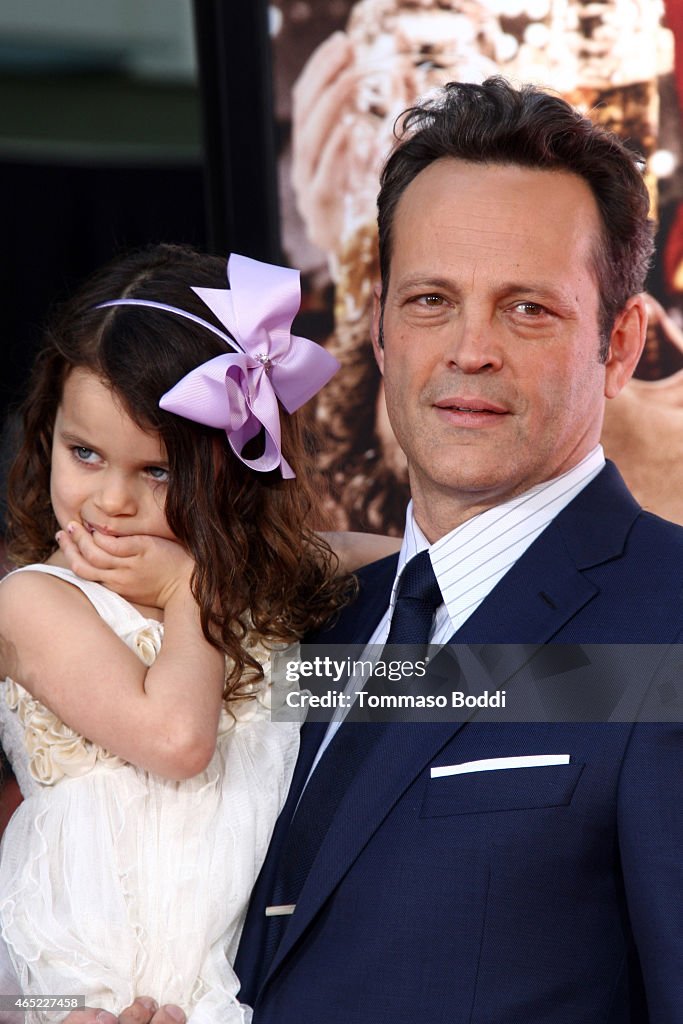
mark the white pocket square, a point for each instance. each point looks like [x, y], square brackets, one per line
[491, 764]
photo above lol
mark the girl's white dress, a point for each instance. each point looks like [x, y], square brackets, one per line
[115, 883]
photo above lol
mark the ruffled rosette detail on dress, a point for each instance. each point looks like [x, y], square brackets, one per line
[146, 642]
[54, 750]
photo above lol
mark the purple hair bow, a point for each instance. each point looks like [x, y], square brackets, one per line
[239, 391]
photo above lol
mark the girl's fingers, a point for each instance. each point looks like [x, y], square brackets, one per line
[81, 551]
[103, 551]
[117, 547]
[74, 559]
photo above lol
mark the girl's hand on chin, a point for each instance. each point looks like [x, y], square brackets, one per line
[144, 569]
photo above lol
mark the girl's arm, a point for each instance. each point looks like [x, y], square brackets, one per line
[163, 718]
[356, 549]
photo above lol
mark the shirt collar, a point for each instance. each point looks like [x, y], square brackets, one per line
[540, 504]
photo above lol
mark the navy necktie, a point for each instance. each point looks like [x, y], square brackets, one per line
[418, 598]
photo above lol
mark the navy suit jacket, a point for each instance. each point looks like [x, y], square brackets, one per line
[546, 895]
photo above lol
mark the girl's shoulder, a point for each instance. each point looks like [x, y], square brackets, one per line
[30, 599]
[29, 581]
[57, 631]
[31, 591]
[34, 595]
[45, 582]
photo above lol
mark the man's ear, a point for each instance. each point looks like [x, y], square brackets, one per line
[626, 345]
[377, 327]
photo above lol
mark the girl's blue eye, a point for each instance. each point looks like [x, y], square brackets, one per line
[157, 473]
[83, 454]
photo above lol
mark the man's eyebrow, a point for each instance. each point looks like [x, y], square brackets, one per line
[427, 283]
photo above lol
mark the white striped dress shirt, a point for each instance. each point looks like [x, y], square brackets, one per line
[470, 560]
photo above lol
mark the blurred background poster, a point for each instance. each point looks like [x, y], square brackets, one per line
[133, 121]
[343, 72]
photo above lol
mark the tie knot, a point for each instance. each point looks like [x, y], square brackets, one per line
[419, 582]
[417, 599]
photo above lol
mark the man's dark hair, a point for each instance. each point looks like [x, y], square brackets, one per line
[494, 123]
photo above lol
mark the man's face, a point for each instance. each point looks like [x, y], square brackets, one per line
[490, 360]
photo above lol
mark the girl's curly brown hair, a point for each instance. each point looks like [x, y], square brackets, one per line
[258, 562]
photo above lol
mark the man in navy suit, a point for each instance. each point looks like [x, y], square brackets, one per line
[537, 877]
[495, 872]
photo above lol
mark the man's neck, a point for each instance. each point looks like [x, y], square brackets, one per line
[438, 515]
[436, 523]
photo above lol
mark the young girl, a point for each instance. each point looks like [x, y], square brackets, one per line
[157, 450]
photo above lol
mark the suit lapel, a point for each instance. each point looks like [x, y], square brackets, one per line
[369, 799]
[547, 586]
[530, 606]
